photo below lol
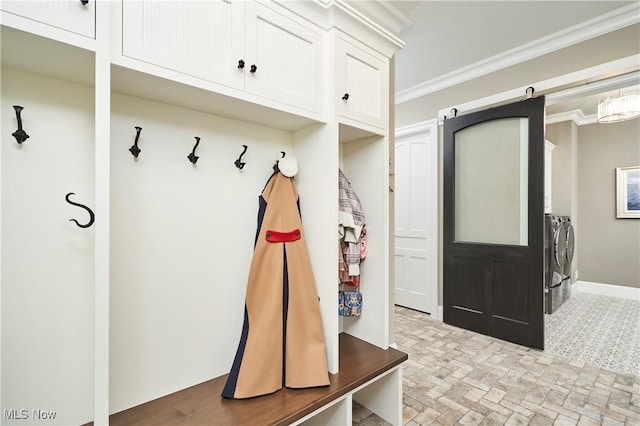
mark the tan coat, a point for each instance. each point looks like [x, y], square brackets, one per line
[282, 342]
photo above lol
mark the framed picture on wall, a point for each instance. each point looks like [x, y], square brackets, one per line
[628, 192]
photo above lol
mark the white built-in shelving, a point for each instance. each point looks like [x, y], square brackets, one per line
[150, 299]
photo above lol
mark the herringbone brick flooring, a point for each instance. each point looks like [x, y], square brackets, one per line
[455, 376]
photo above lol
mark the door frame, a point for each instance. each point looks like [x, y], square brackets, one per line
[429, 131]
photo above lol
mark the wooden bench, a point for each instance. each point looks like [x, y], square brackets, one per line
[363, 368]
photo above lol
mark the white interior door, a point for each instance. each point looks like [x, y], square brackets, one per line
[416, 218]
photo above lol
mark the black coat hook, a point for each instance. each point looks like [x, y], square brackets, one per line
[91, 215]
[275, 166]
[239, 164]
[134, 148]
[19, 134]
[193, 157]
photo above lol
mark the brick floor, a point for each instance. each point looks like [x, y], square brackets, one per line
[455, 376]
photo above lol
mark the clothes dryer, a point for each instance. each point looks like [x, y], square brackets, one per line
[570, 247]
[555, 259]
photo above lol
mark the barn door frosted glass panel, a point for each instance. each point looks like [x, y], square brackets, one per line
[491, 201]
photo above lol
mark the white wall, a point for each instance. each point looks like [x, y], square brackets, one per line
[181, 244]
[47, 261]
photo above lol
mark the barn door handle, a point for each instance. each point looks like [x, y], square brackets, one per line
[91, 215]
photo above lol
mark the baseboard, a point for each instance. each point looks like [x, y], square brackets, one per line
[607, 290]
[440, 314]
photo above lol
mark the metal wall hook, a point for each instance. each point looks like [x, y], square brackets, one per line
[19, 134]
[91, 215]
[275, 166]
[239, 164]
[193, 157]
[134, 148]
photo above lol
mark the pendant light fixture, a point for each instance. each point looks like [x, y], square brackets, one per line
[619, 108]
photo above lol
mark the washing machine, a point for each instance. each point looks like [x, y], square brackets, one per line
[570, 247]
[555, 256]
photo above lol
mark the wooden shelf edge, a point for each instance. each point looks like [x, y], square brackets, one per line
[360, 362]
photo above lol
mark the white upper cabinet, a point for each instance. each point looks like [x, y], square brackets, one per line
[284, 58]
[243, 45]
[362, 80]
[203, 39]
[76, 16]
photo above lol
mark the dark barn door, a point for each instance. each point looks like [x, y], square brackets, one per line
[493, 222]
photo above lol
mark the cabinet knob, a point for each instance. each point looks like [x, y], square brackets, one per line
[253, 69]
[345, 97]
[240, 64]
[85, 2]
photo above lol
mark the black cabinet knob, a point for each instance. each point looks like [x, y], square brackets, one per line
[253, 69]
[345, 97]
[240, 64]
[85, 2]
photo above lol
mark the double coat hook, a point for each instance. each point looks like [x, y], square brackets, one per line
[91, 215]
[239, 164]
[134, 148]
[19, 134]
[193, 157]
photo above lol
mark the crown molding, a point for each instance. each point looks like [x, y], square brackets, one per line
[577, 116]
[384, 13]
[603, 24]
[416, 128]
[358, 18]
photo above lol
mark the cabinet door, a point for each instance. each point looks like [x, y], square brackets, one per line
[70, 15]
[203, 39]
[362, 79]
[287, 57]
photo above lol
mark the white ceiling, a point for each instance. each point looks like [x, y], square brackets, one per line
[449, 35]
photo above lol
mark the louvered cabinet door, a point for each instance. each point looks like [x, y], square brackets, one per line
[284, 58]
[203, 39]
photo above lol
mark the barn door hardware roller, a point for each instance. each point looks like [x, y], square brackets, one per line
[529, 92]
